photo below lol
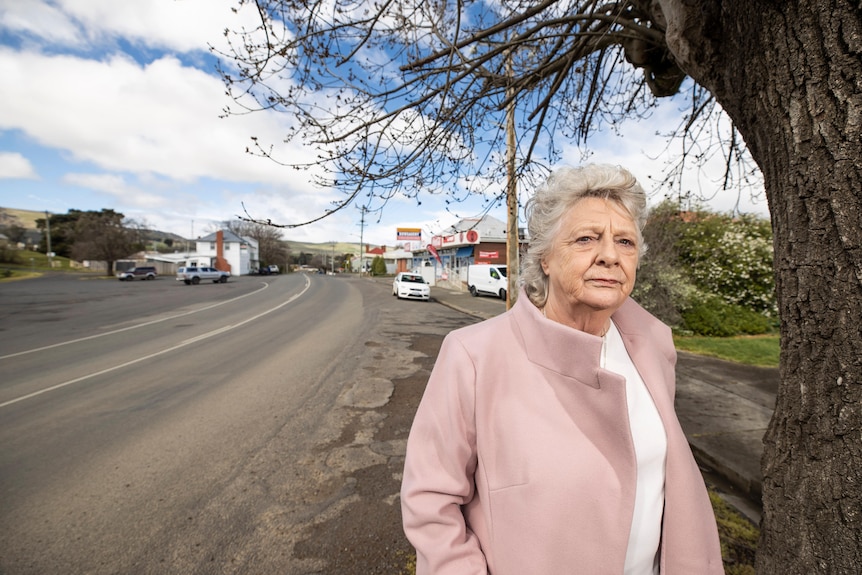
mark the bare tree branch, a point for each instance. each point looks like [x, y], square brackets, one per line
[408, 98]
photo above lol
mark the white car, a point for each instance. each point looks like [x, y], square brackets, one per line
[194, 275]
[411, 286]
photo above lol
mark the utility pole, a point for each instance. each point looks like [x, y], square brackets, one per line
[49, 253]
[362, 243]
[512, 240]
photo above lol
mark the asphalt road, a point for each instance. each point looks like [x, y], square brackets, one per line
[251, 427]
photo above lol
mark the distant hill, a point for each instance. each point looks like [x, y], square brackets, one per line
[24, 218]
[27, 220]
[325, 248]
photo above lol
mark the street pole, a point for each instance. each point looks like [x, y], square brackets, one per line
[48, 239]
[512, 239]
[362, 243]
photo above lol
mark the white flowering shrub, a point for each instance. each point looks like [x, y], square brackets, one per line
[708, 273]
[730, 257]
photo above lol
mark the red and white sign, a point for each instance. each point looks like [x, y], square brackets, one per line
[490, 255]
[409, 234]
[458, 239]
[433, 251]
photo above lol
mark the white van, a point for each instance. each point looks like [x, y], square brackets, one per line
[487, 279]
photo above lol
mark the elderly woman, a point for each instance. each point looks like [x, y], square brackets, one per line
[546, 441]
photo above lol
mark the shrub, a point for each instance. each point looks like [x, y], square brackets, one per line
[378, 266]
[712, 316]
[730, 257]
[707, 273]
[9, 255]
[663, 290]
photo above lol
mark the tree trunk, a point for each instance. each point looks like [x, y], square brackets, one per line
[789, 75]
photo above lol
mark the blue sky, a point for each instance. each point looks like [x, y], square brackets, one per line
[116, 105]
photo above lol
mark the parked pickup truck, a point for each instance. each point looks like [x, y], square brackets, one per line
[193, 275]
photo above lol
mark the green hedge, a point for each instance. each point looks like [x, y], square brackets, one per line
[716, 318]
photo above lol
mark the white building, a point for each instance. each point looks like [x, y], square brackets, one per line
[222, 249]
[227, 251]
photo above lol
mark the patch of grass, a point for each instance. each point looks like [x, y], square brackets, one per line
[410, 566]
[10, 275]
[26, 260]
[758, 350]
[737, 535]
[25, 264]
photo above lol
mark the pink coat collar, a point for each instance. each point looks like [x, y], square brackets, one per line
[554, 346]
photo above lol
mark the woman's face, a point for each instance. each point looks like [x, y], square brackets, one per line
[594, 258]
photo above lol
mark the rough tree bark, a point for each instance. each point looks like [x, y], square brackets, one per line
[790, 76]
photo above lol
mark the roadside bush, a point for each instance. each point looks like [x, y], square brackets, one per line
[378, 266]
[9, 255]
[712, 316]
[706, 273]
[730, 257]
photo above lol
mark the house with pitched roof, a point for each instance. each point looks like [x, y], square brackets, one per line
[226, 251]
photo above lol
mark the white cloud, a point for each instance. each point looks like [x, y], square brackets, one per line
[184, 26]
[139, 131]
[16, 166]
[116, 187]
[643, 152]
[118, 115]
[37, 19]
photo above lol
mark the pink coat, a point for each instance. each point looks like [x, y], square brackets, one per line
[520, 460]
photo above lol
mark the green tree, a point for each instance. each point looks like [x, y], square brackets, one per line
[302, 259]
[708, 273]
[61, 229]
[378, 266]
[16, 233]
[662, 286]
[105, 236]
[407, 97]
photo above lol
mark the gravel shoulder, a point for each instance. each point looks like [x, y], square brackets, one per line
[359, 532]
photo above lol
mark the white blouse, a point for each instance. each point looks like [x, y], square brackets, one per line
[650, 443]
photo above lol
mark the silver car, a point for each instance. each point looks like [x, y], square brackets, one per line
[411, 286]
[144, 273]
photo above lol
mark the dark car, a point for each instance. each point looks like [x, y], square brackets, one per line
[268, 270]
[144, 273]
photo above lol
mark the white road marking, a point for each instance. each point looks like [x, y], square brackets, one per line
[182, 344]
[112, 332]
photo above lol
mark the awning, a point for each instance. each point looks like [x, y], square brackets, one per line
[464, 252]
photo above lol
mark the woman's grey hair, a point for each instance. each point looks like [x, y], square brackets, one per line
[564, 188]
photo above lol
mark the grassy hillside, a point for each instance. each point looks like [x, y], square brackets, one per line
[325, 248]
[24, 218]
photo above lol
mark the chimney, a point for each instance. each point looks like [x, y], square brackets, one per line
[221, 263]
